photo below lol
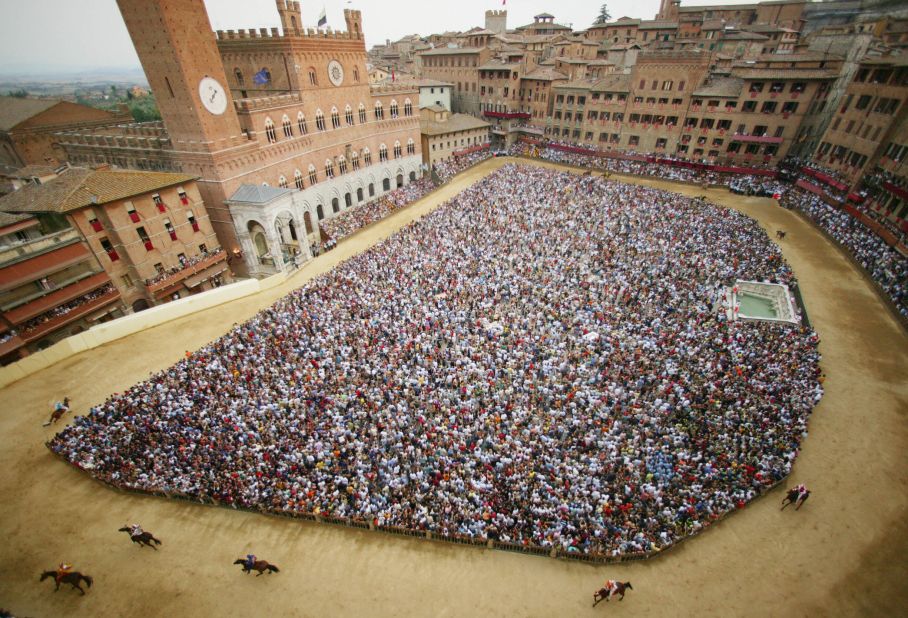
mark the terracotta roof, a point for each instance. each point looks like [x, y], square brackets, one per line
[544, 74]
[31, 171]
[432, 82]
[14, 111]
[442, 51]
[613, 83]
[8, 219]
[752, 73]
[499, 66]
[455, 122]
[658, 25]
[721, 87]
[79, 187]
[744, 36]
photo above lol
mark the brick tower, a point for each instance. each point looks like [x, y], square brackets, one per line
[179, 54]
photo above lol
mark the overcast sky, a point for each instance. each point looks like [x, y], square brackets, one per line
[61, 35]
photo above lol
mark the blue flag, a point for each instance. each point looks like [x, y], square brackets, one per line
[262, 77]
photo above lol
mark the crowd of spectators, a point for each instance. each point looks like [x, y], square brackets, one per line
[26, 327]
[353, 219]
[886, 266]
[540, 360]
[7, 336]
[185, 262]
[449, 168]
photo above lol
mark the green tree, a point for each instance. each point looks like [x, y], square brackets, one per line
[19, 94]
[604, 15]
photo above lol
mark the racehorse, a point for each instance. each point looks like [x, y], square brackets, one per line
[72, 578]
[146, 538]
[605, 593]
[59, 411]
[259, 565]
[780, 234]
[794, 497]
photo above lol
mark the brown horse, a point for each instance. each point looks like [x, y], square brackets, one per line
[146, 538]
[605, 593]
[73, 578]
[58, 413]
[796, 498]
[259, 565]
[780, 234]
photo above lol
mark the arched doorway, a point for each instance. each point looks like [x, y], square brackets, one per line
[307, 220]
[320, 212]
[400, 180]
[140, 305]
[386, 184]
[335, 205]
[292, 226]
[348, 200]
[371, 189]
[412, 176]
[359, 194]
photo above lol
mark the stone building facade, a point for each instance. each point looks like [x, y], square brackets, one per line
[445, 135]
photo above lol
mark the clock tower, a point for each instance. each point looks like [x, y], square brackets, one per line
[180, 57]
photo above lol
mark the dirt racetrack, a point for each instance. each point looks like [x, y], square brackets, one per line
[844, 554]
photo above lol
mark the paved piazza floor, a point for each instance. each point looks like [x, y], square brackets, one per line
[844, 554]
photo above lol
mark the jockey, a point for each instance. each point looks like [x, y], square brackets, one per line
[62, 570]
[250, 562]
[62, 405]
[612, 586]
[135, 530]
[802, 491]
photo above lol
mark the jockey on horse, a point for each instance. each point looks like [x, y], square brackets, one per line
[62, 570]
[250, 562]
[612, 586]
[135, 530]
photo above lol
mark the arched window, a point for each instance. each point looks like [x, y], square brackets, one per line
[397, 150]
[270, 133]
[382, 153]
[298, 179]
[356, 75]
[367, 156]
[282, 182]
[393, 108]
[313, 175]
[379, 111]
[354, 160]
[342, 164]
[348, 115]
[288, 128]
[362, 114]
[411, 147]
[335, 118]
[301, 123]
[319, 120]
[386, 184]
[240, 81]
[335, 204]
[359, 194]
[348, 200]
[329, 168]
[313, 77]
[408, 108]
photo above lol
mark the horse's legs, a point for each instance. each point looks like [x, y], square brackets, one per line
[78, 587]
[785, 504]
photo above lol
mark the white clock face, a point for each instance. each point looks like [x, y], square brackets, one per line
[336, 72]
[213, 96]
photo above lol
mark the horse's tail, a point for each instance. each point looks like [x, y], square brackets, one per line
[273, 568]
[88, 580]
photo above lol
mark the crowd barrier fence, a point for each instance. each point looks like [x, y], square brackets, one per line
[349, 522]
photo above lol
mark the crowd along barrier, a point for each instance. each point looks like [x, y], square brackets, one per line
[349, 522]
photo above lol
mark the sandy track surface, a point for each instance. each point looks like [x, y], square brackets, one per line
[843, 554]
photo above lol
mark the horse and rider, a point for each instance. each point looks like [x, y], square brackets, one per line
[65, 575]
[797, 496]
[612, 588]
[139, 536]
[60, 408]
[251, 562]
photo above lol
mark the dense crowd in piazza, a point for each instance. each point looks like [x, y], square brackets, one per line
[358, 217]
[886, 266]
[540, 360]
[448, 168]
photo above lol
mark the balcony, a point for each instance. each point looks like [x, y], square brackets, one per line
[58, 297]
[158, 284]
[507, 115]
[28, 248]
[71, 316]
[758, 139]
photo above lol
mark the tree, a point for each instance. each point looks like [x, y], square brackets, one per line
[19, 94]
[604, 15]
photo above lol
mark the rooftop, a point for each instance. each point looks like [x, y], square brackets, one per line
[257, 194]
[444, 51]
[79, 187]
[15, 110]
[720, 87]
[455, 122]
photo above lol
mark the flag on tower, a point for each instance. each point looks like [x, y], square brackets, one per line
[262, 77]
[322, 18]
